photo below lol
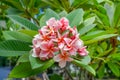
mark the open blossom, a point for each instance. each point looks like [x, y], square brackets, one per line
[59, 41]
[62, 58]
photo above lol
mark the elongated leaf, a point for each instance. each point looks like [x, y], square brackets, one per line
[89, 21]
[24, 58]
[75, 17]
[86, 29]
[103, 18]
[101, 70]
[36, 62]
[86, 60]
[49, 14]
[94, 34]
[114, 68]
[24, 70]
[99, 38]
[23, 22]
[14, 4]
[87, 67]
[116, 56]
[14, 35]
[110, 12]
[29, 32]
[116, 15]
[14, 48]
[90, 69]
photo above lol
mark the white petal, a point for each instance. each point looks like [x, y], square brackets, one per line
[62, 64]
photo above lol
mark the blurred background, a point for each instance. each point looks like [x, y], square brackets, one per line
[101, 18]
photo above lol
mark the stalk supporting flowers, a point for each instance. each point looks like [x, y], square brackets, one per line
[59, 41]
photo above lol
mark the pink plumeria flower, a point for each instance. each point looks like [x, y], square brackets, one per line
[82, 51]
[65, 24]
[58, 36]
[72, 45]
[53, 24]
[36, 51]
[47, 49]
[62, 59]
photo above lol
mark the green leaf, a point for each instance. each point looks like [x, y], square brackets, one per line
[75, 17]
[55, 76]
[103, 18]
[14, 35]
[116, 15]
[63, 14]
[49, 14]
[14, 48]
[114, 68]
[29, 32]
[14, 4]
[93, 34]
[104, 45]
[87, 67]
[110, 12]
[36, 62]
[90, 69]
[99, 38]
[24, 70]
[85, 29]
[99, 49]
[89, 21]
[24, 58]
[100, 71]
[86, 60]
[116, 56]
[105, 52]
[23, 22]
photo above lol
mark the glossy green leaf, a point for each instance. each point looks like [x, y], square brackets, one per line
[85, 29]
[63, 14]
[105, 52]
[116, 15]
[24, 70]
[14, 48]
[14, 4]
[104, 45]
[24, 58]
[99, 49]
[75, 17]
[87, 67]
[29, 32]
[114, 68]
[99, 38]
[86, 60]
[36, 62]
[94, 34]
[89, 21]
[14, 35]
[103, 18]
[101, 71]
[110, 12]
[49, 14]
[23, 22]
[116, 56]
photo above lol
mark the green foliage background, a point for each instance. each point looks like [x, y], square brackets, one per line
[97, 21]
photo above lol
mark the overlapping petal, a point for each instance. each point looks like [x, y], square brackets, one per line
[59, 41]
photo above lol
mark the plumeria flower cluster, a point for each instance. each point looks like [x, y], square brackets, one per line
[59, 41]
